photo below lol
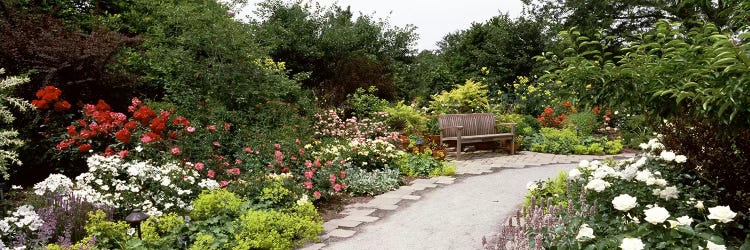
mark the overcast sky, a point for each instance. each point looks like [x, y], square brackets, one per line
[433, 18]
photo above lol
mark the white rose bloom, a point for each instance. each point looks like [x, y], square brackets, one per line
[644, 175]
[685, 220]
[680, 159]
[721, 213]
[650, 181]
[532, 185]
[624, 202]
[632, 244]
[660, 182]
[597, 185]
[628, 173]
[711, 246]
[670, 192]
[643, 146]
[656, 215]
[640, 162]
[699, 205]
[585, 233]
[667, 155]
[583, 164]
[574, 174]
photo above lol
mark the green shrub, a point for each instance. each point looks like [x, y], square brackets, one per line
[363, 182]
[418, 164]
[580, 150]
[554, 188]
[470, 97]
[109, 235]
[407, 118]
[613, 147]
[215, 203]
[270, 229]
[364, 103]
[585, 122]
[446, 169]
[565, 141]
[635, 130]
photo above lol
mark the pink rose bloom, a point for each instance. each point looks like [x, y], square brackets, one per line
[211, 174]
[146, 139]
[342, 174]
[316, 195]
[123, 153]
[190, 129]
[216, 144]
[308, 174]
[337, 187]
[308, 184]
[308, 164]
[277, 146]
[212, 128]
[175, 151]
[199, 166]
[332, 179]
[248, 150]
[316, 163]
[224, 183]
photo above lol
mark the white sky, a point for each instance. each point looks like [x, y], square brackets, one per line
[433, 18]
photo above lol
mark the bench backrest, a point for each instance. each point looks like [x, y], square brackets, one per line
[474, 124]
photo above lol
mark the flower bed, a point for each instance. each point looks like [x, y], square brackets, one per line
[641, 203]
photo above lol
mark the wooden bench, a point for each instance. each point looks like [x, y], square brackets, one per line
[473, 128]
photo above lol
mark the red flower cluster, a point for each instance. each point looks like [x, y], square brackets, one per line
[100, 125]
[50, 96]
[548, 118]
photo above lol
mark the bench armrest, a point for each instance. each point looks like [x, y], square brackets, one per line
[512, 126]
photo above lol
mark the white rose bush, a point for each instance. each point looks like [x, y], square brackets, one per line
[646, 202]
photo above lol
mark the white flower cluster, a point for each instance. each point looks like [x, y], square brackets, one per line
[120, 184]
[54, 184]
[23, 218]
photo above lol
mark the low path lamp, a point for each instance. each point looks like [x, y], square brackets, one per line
[135, 218]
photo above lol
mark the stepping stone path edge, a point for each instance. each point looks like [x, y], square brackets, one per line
[356, 215]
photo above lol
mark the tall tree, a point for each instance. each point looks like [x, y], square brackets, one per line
[501, 45]
[339, 52]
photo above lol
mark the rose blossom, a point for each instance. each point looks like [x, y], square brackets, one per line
[199, 166]
[574, 174]
[175, 151]
[656, 215]
[631, 244]
[721, 213]
[585, 233]
[190, 129]
[597, 185]
[308, 184]
[667, 155]
[680, 159]
[624, 202]
[712, 246]
[316, 194]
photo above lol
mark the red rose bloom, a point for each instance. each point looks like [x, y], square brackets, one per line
[84, 148]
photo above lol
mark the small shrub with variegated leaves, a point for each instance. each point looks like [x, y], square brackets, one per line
[363, 182]
[9, 137]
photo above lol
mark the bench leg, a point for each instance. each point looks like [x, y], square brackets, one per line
[458, 150]
[512, 146]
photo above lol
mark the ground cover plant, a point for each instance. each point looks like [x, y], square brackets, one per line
[640, 203]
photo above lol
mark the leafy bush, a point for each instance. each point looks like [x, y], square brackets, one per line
[584, 122]
[471, 97]
[524, 123]
[216, 203]
[364, 103]
[422, 165]
[363, 182]
[8, 137]
[447, 169]
[565, 141]
[407, 118]
[635, 130]
[278, 230]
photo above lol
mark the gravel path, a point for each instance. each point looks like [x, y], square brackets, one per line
[452, 217]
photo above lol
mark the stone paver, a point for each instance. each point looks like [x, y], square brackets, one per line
[342, 233]
[473, 163]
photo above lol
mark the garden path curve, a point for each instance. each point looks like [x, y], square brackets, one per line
[455, 215]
